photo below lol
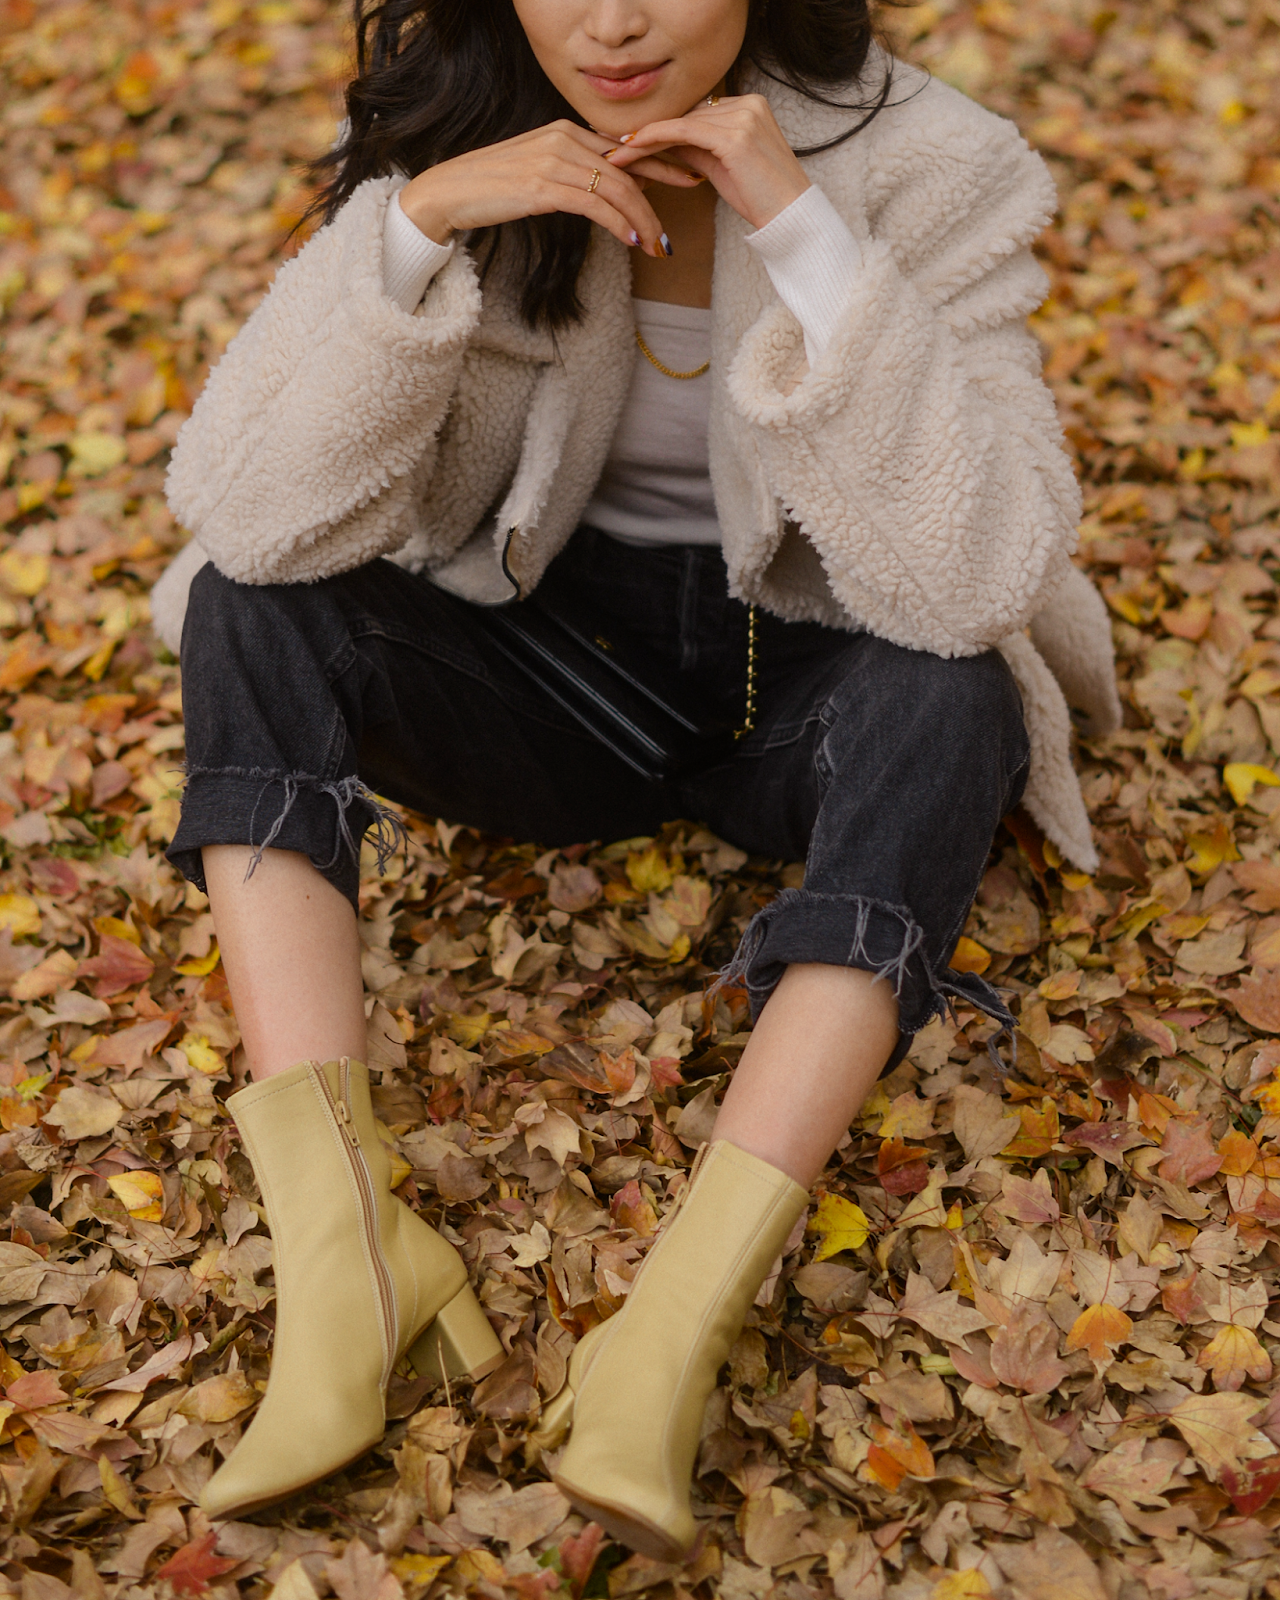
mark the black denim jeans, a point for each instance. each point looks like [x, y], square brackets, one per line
[887, 770]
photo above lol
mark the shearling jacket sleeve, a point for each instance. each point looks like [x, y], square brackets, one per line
[327, 402]
[922, 455]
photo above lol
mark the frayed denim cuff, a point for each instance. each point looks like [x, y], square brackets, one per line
[849, 930]
[322, 818]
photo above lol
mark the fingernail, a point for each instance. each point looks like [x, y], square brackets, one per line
[634, 237]
[626, 138]
[665, 245]
[612, 152]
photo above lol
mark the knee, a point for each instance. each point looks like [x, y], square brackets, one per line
[963, 704]
[225, 617]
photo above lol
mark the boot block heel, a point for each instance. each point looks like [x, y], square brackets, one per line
[459, 1343]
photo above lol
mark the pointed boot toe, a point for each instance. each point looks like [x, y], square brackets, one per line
[361, 1280]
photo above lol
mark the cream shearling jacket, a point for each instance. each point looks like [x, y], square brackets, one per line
[913, 483]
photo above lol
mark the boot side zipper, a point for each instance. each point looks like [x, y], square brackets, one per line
[341, 1109]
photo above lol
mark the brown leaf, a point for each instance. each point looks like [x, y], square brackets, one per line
[1024, 1353]
[118, 966]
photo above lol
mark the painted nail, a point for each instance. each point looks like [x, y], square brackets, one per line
[634, 237]
[626, 138]
[664, 244]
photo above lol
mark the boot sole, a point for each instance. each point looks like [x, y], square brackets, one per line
[638, 1533]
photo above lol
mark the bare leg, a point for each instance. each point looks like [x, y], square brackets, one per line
[817, 1050]
[291, 953]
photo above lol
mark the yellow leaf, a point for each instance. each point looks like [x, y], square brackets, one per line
[650, 870]
[20, 913]
[1243, 777]
[24, 573]
[969, 1585]
[200, 966]
[969, 956]
[93, 453]
[1233, 1355]
[419, 1571]
[118, 929]
[201, 1055]
[842, 1225]
[1099, 1329]
[117, 1491]
[1210, 850]
[141, 1194]
[467, 1031]
[1267, 1095]
[1244, 434]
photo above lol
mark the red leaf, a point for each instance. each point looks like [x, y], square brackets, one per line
[903, 1168]
[193, 1568]
[1253, 1488]
[578, 1556]
[118, 966]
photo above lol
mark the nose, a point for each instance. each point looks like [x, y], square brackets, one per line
[613, 23]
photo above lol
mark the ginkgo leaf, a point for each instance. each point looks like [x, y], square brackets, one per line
[841, 1224]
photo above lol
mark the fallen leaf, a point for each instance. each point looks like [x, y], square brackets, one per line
[840, 1224]
[84, 1113]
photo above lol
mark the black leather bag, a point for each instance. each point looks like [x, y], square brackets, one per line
[584, 674]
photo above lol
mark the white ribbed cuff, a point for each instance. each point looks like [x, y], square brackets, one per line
[409, 258]
[813, 262]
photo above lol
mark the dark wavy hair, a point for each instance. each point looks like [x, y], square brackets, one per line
[437, 78]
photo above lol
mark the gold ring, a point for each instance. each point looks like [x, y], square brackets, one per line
[713, 99]
[595, 179]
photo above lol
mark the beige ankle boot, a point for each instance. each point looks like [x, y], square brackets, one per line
[360, 1280]
[639, 1384]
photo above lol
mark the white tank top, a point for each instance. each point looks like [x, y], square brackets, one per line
[656, 483]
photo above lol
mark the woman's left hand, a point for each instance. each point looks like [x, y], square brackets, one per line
[737, 145]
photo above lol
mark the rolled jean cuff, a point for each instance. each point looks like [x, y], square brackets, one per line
[324, 819]
[850, 930]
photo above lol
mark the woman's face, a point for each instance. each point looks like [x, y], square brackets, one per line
[624, 63]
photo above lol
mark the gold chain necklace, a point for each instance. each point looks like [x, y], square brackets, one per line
[669, 371]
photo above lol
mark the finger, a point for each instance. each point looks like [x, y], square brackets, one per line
[703, 130]
[620, 194]
[660, 171]
[598, 209]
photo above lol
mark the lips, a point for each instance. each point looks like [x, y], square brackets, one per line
[623, 83]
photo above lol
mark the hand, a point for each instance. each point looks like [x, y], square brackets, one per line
[546, 170]
[737, 144]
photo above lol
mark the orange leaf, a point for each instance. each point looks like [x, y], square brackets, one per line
[904, 1445]
[1039, 1132]
[1099, 1329]
[1238, 1153]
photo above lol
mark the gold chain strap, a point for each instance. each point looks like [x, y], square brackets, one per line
[670, 372]
[750, 720]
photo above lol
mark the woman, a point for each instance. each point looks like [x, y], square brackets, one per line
[584, 327]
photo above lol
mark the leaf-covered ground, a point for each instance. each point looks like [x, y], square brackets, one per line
[1026, 1345]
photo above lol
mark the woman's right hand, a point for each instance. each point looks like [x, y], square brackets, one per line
[547, 170]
